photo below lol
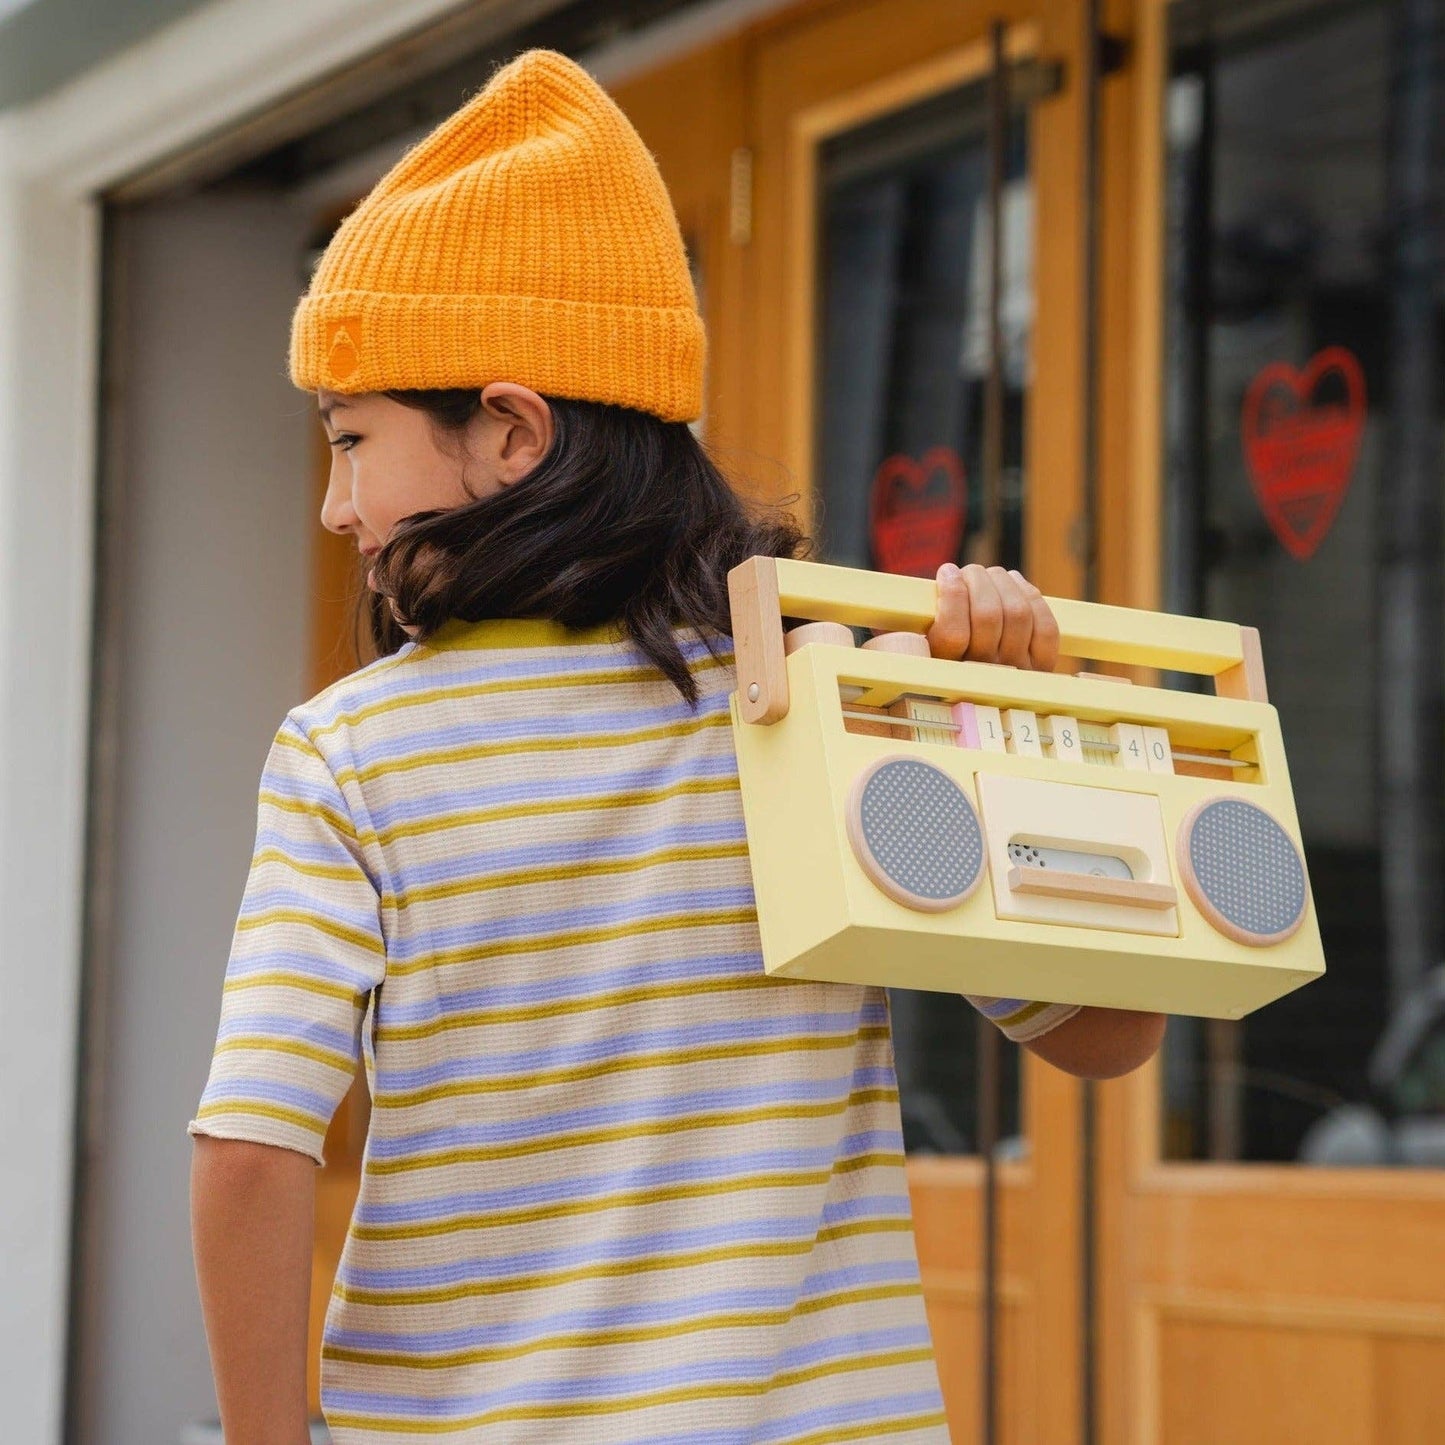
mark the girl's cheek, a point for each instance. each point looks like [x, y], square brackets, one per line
[369, 507]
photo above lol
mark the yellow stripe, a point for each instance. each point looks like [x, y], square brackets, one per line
[304, 808]
[638, 1334]
[246, 1043]
[626, 1199]
[471, 752]
[904, 1426]
[284, 978]
[348, 684]
[302, 1120]
[631, 1063]
[639, 797]
[619, 1268]
[677, 1396]
[557, 872]
[584, 1138]
[495, 687]
[265, 919]
[588, 1003]
[878, 1159]
[303, 746]
[550, 942]
[341, 873]
[1023, 1015]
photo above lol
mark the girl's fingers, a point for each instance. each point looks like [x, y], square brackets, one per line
[1044, 644]
[952, 627]
[1018, 619]
[988, 614]
[985, 610]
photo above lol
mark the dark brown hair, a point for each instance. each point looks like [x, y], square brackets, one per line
[627, 518]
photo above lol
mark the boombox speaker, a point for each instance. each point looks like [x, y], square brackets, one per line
[1242, 870]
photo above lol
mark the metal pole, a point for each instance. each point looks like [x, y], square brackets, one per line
[1092, 42]
[989, 1059]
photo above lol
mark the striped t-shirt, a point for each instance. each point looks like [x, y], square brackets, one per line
[619, 1184]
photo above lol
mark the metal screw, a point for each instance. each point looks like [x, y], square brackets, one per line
[752, 692]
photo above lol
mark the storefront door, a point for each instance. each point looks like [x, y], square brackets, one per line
[1253, 1289]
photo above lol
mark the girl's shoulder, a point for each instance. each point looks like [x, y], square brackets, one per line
[348, 699]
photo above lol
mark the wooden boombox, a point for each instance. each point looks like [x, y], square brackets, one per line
[976, 828]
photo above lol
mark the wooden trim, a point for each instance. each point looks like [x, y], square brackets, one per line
[1097, 889]
[965, 1171]
[809, 128]
[1144, 1404]
[1342, 1316]
[758, 640]
[1294, 1182]
[1246, 679]
[965, 1287]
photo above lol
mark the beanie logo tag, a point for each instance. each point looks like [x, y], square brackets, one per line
[343, 346]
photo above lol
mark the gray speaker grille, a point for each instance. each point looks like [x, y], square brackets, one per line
[1248, 867]
[921, 829]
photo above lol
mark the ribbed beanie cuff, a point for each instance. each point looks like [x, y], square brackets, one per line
[645, 357]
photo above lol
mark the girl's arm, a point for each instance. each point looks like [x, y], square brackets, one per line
[1101, 1043]
[252, 1216]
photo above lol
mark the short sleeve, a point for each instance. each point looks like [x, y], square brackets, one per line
[307, 952]
[1020, 1020]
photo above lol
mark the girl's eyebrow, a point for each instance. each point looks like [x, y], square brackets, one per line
[336, 405]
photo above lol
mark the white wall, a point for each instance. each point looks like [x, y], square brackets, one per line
[208, 519]
[226, 61]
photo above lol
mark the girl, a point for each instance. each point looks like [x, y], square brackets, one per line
[619, 1185]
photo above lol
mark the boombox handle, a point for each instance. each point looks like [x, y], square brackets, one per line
[764, 590]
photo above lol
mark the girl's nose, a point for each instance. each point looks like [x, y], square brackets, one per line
[337, 514]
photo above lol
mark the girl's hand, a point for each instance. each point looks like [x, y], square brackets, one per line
[987, 614]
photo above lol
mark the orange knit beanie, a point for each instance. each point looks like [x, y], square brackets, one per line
[529, 238]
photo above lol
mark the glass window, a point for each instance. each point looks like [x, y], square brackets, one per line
[903, 362]
[1303, 497]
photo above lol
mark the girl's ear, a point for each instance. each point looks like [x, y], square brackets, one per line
[518, 429]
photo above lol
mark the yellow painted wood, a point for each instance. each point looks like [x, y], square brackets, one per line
[822, 917]
[1087, 629]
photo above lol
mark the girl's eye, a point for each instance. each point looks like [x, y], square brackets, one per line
[346, 441]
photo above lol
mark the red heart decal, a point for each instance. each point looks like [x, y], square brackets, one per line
[1300, 446]
[916, 512]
